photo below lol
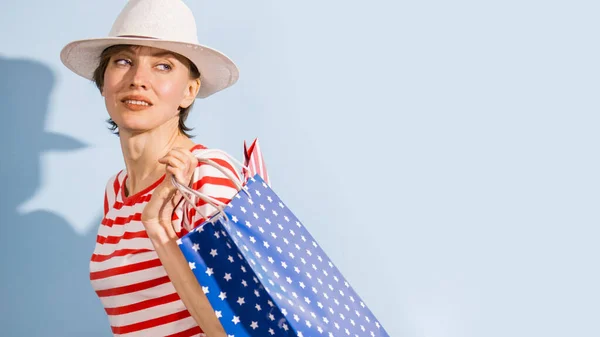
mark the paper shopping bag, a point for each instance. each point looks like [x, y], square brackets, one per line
[265, 275]
[254, 162]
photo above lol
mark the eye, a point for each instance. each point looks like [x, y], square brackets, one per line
[122, 62]
[164, 66]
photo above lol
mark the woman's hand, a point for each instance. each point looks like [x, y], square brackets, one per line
[158, 213]
[156, 218]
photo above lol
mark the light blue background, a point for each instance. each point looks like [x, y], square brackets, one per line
[443, 153]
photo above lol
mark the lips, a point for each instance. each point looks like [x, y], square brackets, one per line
[136, 102]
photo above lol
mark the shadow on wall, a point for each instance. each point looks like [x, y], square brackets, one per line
[44, 288]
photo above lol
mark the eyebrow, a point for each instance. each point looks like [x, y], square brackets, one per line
[157, 54]
[163, 54]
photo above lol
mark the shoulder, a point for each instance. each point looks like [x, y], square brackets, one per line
[214, 162]
[214, 177]
[113, 186]
[114, 181]
[216, 173]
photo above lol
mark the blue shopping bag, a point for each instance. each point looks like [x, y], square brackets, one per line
[265, 275]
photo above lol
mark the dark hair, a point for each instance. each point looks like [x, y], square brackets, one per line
[99, 80]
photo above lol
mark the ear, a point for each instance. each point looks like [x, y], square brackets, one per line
[190, 92]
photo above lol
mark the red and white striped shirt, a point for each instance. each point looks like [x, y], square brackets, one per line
[126, 272]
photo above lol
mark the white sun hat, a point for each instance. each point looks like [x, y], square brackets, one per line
[164, 24]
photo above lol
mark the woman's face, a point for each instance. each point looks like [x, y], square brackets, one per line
[144, 87]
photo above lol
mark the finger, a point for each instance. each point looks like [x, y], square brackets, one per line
[187, 157]
[190, 160]
[181, 157]
[173, 161]
[193, 159]
[178, 173]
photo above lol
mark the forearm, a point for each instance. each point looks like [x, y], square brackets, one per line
[185, 283]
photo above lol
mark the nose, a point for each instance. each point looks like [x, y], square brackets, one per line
[139, 78]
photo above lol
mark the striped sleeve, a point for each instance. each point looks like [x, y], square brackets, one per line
[209, 181]
[110, 192]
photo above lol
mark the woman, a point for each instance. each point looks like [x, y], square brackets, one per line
[150, 70]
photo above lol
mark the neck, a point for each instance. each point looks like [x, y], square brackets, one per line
[142, 150]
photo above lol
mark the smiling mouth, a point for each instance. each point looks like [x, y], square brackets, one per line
[134, 102]
[136, 105]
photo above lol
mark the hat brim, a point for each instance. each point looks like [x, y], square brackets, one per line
[217, 71]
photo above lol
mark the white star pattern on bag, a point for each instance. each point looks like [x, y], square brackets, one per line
[286, 265]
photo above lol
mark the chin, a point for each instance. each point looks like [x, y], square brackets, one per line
[135, 124]
[139, 121]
